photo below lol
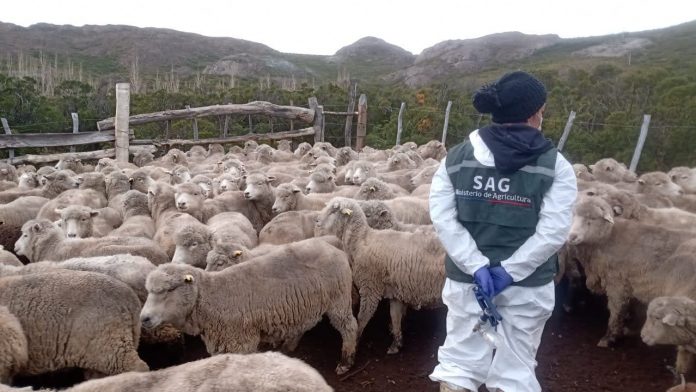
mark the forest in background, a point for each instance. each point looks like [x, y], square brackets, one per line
[609, 95]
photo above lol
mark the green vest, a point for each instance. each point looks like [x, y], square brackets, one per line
[500, 211]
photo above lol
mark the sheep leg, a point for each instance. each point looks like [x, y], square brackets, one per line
[342, 319]
[291, 343]
[397, 309]
[617, 301]
[685, 360]
[369, 299]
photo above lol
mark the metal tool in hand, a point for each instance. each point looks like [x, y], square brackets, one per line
[490, 316]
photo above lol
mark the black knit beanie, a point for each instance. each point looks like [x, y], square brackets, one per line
[512, 99]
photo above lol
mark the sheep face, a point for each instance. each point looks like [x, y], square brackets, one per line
[666, 321]
[32, 230]
[140, 181]
[684, 177]
[206, 185]
[116, 181]
[258, 186]
[192, 245]
[400, 161]
[197, 153]
[70, 163]
[225, 183]
[61, 180]
[179, 175]
[611, 171]
[285, 145]
[320, 183]
[361, 173]
[286, 198]
[592, 222]
[432, 149]
[325, 168]
[658, 183]
[76, 221]
[223, 256]
[28, 180]
[302, 149]
[215, 148]
[189, 197]
[250, 146]
[135, 203]
[171, 296]
[378, 215]
[92, 180]
[8, 172]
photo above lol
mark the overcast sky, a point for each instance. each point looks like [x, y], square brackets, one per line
[324, 26]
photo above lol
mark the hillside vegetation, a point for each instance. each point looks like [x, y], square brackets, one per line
[48, 71]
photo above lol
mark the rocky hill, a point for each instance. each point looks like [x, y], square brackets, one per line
[110, 50]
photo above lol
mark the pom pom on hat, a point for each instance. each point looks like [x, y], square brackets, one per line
[514, 98]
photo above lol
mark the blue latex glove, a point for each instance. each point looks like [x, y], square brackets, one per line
[501, 279]
[483, 278]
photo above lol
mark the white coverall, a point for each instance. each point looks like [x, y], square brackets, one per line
[466, 360]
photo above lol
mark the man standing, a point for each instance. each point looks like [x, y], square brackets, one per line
[501, 203]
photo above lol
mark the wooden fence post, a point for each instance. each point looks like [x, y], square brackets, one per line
[444, 127]
[122, 141]
[361, 129]
[75, 127]
[292, 123]
[348, 132]
[641, 142]
[566, 131]
[226, 126]
[8, 131]
[318, 119]
[251, 125]
[194, 124]
[400, 123]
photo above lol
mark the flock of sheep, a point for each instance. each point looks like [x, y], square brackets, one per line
[251, 248]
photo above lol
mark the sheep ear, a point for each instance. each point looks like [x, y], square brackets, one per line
[383, 213]
[270, 178]
[169, 172]
[296, 189]
[641, 181]
[36, 228]
[347, 211]
[336, 206]
[592, 167]
[673, 320]
[59, 210]
[618, 210]
[188, 278]
[237, 253]
[372, 189]
[608, 217]
[93, 213]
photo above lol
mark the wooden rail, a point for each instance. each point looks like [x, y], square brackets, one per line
[233, 139]
[256, 107]
[22, 140]
[99, 154]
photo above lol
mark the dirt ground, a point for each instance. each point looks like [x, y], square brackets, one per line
[569, 360]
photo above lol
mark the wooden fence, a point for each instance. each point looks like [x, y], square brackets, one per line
[118, 129]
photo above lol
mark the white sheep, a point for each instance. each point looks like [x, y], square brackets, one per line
[75, 319]
[41, 240]
[289, 227]
[289, 197]
[195, 240]
[14, 351]
[129, 269]
[137, 221]
[277, 297]
[406, 268]
[161, 202]
[258, 372]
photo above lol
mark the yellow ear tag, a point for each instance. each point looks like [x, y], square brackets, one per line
[188, 278]
[237, 253]
[347, 211]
